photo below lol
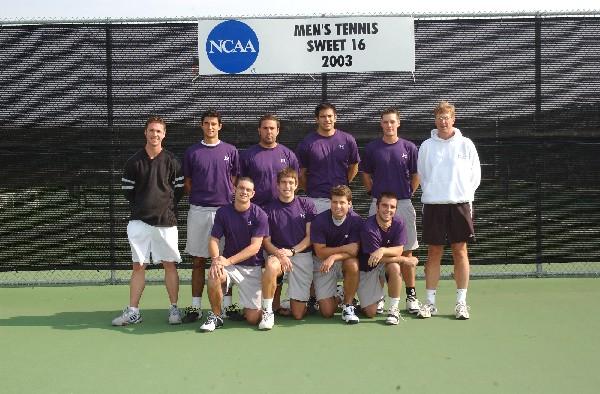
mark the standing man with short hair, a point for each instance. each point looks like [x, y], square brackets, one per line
[450, 173]
[263, 161]
[210, 168]
[244, 226]
[328, 158]
[335, 234]
[288, 247]
[390, 164]
[152, 182]
[382, 241]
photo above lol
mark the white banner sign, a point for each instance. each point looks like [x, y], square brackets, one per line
[295, 46]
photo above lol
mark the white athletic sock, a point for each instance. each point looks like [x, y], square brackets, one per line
[394, 303]
[430, 296]
[267, 304]
[461, 296]
[135, 309]
[227, 301]
[196, 302]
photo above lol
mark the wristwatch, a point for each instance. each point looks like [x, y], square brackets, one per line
[293, 251]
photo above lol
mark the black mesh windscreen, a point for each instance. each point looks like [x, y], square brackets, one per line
[74, 100]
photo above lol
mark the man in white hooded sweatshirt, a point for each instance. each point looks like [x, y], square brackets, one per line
[449, 169]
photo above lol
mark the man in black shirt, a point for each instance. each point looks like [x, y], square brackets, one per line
[153, 184]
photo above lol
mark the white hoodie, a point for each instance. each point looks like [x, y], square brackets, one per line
[449, 170]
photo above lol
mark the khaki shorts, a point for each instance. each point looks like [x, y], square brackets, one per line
[200, 221]
[406, 212]
[369, 286]
[249, 281]
[301, 277]
[325, 283]
[150, 243]
[321, 204]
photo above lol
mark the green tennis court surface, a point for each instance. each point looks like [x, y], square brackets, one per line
[524, 336]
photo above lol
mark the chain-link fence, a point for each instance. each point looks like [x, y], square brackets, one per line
[74, 98]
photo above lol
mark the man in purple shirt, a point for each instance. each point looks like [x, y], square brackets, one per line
[263, 161]
[328, 157]
[335, 235]
[382, 240]
[210, 168]
[390, 164]
[288, 247]
[244, 226]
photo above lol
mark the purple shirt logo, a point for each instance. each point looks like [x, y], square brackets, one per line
[341, 146]
[404, 156]
[226, 158]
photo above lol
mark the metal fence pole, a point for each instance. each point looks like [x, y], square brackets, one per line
[539, 160]
[324, 87]
[110, 125]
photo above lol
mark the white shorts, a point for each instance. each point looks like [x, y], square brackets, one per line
[406, 212]
[326, 283]
[301, 277]
[249, 281]
[321, 204]
[152, 244]
[369, 287]
[200, 221]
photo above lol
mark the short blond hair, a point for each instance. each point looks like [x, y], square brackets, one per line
[444, 107]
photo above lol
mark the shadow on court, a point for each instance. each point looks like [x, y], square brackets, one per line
[155, 322]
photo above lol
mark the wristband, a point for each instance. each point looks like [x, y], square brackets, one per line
[293, 251]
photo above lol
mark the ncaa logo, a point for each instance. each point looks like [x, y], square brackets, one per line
[232, 46]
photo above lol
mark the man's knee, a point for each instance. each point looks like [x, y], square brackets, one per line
[272, 267]
[327, 307]
[252, 316]
[370, 311]
[350, 266]
[392, 269]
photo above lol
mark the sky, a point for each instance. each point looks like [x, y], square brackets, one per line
[115, 9]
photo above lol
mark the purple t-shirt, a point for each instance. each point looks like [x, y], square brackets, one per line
[287, 221]
[210, 169]
[372, 237]
[324, 231]
[239, 228]
[391, 167]
[262, 165]
[326, 160]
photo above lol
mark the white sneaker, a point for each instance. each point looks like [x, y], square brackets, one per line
[381, 306]
[349, 315]
[427, 310]
[462, 311]
[212, 323]
[286, 304]
[127, 317]
[412, 305]
[268, 321]
[393, 317]
[174, 315]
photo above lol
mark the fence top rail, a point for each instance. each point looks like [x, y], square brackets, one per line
[420, 16]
